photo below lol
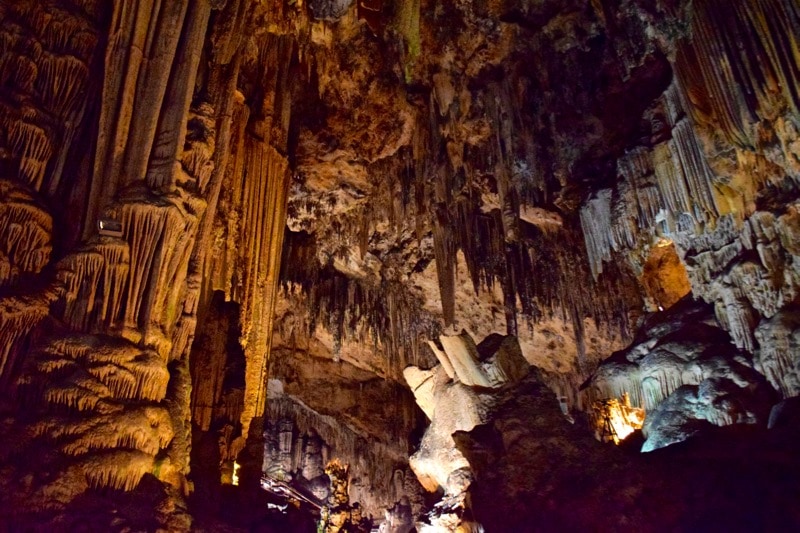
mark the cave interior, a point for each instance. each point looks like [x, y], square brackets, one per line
[399, 265]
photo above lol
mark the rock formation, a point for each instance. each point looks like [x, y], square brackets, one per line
[684, 372]
[319, 410]
[234, 232]
[534, 471]
[457, 395]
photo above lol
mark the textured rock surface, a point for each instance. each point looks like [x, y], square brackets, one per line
[188, 188]
[319, 410]
[536, 472]
[686, 374]
[457, 395]
[111, 140]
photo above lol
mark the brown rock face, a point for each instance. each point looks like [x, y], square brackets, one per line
[226, 220]
[664, 276]
[110, 108]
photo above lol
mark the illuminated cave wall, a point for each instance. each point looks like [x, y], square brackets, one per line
[718, 180]
[508, 166]
[130, 114]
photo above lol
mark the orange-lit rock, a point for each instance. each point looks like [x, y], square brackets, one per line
[664, 276]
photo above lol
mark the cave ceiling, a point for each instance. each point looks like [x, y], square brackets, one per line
[229, 228]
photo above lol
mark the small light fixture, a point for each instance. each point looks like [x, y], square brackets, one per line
[235, 477]
[109, 227]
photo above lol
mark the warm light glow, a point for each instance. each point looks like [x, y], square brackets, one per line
[235, 479]
[615, 419]
[663, 243]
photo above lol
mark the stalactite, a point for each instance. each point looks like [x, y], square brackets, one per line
[18, 71]
[688, 156]
[167, 139]
[45, 53]
[116, 268]
[737, 316]
[227, 225]
[198, 159]
[141, 66]
[643, 201]
[59, 29]
[32, 145]
[61, 83]
[105, 407]
[445, 267]
[370, 458]
[89, 7]
[385, 316]
[674, 105]
[25, 233]
[145, 268]
[265, 208]
[104, 370]
[776, 356]
[741, 65]
[117, 469]
[18, 316]
[80, 272]
[661, 374]
[135, 375]
[596, 223]
[98, 399]
[671, 181]
[183, 336]
[613, 379]
[144, 428]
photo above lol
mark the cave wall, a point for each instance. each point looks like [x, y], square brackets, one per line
[542, 169]
[640, 141]
[717, 181]
[510, 166]
[117, 130]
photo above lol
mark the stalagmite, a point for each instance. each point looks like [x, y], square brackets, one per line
[463, 356]
[422, 384]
